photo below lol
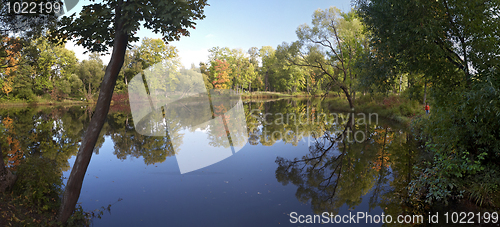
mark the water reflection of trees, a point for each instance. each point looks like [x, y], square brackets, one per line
[336, 171]
[56, 132]
[289, 121]
[49, 133]
[129, 143]
[339, 170]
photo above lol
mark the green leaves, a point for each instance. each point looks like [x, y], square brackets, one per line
[449, 45]
[95, 27]
[91, 73]
[153, 51]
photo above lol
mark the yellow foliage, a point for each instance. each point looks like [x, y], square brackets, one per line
[14, 151]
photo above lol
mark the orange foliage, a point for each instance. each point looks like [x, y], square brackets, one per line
[9, 53]
[14, 152]
[9, 58]
[384, 138]
[222, 72]
[221, 111]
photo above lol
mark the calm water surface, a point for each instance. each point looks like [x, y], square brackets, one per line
[287, 156]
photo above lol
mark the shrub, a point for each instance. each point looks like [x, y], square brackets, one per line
[25, 94]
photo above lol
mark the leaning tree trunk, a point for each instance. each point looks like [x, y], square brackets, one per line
[348, 96]
[75, 180]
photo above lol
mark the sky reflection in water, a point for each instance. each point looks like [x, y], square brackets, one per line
[241, 188]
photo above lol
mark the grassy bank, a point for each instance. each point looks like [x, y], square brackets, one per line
[46, 100]
[263, 95]
[274, 95]
[39, 101]
[394, 107]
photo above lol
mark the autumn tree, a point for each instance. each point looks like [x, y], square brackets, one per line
[152, 51]
[254, 67]
[243, 67]
[114, 23]
[10, 54]
[219, 74]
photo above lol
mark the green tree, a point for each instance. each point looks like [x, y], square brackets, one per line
[288, 77]
[450, 43]
[131, 67]
[115, 23]
[163, 65]
[330, 46]
[43, 66]
[268, 64]
[91, 73]
[152, 51]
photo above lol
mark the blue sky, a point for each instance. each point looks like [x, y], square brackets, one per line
[240, 24]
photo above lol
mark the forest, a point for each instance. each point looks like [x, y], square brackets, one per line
[442, 53]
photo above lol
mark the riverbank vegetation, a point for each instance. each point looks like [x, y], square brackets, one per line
[452, 47]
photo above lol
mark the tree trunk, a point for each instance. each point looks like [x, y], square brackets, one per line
[267, 84]
[425, 92]
[2, 164]
[7, 179]
[75, 180]
[308, 85]
[400, 82]
[348, 96]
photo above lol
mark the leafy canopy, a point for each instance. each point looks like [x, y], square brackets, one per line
[95, 27]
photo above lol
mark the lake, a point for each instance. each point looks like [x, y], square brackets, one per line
[241, 163]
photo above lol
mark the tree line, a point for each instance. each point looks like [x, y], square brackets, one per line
[333, 55]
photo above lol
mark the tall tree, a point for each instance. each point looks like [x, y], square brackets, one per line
[330, 46]
[10, 54]
[114, 23]
[91, 73]
[268, 61]
[153, 51]
[46, 62]
[220, 74]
